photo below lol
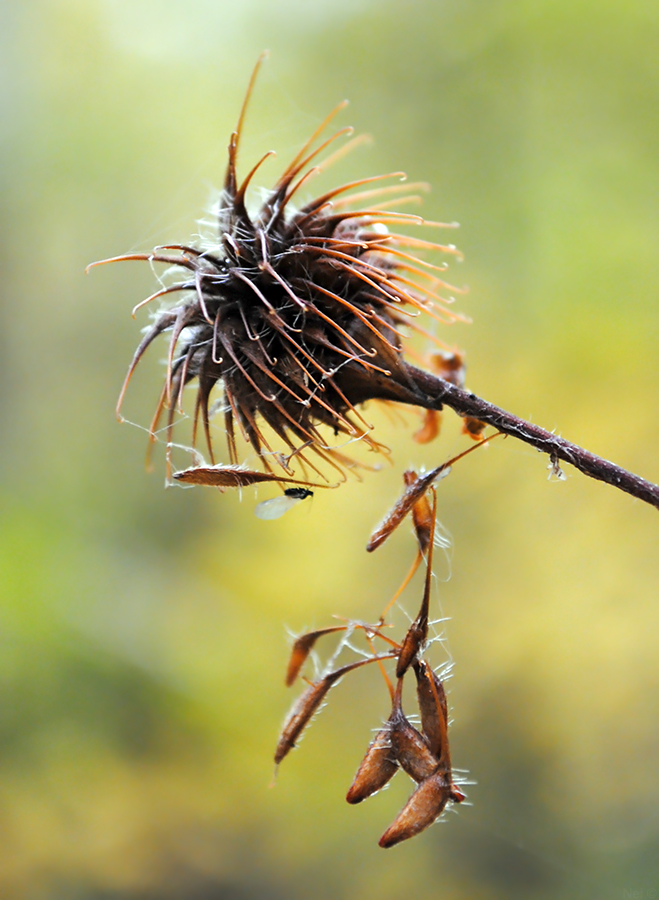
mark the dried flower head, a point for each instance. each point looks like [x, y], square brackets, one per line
[296, 314]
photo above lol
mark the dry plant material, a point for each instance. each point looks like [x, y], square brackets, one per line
[424, 756]
[417, 633]
[450, 366]
[409, 746]
[302, 647]
[304, 644]
[431, 698]
[297, 315]
[423, 808]
[432, 423]
[423, 518]
[232, 477]
[414, 492]
[287, 321]
[423, 514]
[305, 707]
[474, 428]
[376, 769]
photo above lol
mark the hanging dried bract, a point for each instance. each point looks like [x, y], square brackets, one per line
[296, 314]
[308, 704]
[423, 755]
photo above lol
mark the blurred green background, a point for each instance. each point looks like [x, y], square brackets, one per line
[143, 631]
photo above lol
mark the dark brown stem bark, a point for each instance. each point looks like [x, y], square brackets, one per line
[438, 393]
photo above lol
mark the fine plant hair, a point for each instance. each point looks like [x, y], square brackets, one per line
[287, 321]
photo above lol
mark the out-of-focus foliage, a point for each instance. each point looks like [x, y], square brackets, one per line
[142, 631]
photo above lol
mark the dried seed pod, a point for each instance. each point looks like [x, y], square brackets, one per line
[410, 748]
[412, 494]
[404, 505]
[233, 477]
[302, 647]
[423, 807]
[417, 633]
[377, 768]
[414, 640]
[422, 517]
[304, 644]
[434, 711]
[422, 514]
[306, 705]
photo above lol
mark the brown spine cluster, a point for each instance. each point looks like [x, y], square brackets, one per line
[292, 317]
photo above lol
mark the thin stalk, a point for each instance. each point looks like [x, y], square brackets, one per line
[439, 393]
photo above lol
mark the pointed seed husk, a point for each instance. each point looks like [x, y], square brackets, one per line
[377, 768]
[423, 807]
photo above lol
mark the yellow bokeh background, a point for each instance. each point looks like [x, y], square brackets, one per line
[143, 632]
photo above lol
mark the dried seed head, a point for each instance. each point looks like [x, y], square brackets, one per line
[295, 314]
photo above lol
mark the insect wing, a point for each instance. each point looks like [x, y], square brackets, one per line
[275, 508]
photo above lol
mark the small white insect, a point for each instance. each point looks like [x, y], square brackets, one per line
[273, 509]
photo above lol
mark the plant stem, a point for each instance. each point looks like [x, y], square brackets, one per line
[439, 393]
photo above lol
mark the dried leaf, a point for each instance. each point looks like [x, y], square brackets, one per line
[449, 365]
[474, 428]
